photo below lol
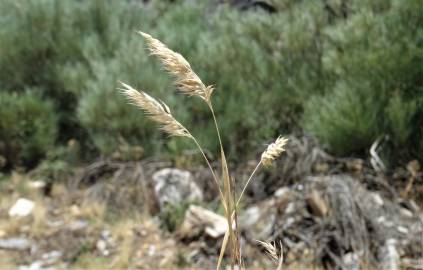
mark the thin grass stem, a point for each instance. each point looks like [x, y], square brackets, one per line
[216, 125]
[246, 184]
[212, 171]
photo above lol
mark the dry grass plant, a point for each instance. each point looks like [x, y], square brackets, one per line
[189, 83]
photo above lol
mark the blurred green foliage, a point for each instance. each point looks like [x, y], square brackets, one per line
[28, 128]
[345, 71]
[376, 59]
[172, 215]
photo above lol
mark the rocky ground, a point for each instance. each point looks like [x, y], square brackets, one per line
[67, 231]
[325, 212]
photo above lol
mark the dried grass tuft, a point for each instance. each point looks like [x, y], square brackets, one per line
[157, 111]
[186, 80]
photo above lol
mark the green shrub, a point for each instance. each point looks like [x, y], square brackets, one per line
[27, 128]
[375, 59]
[346, 120]
[399, 117]
[43, 35]
[49, 44]
[102, 110]
[172, 215]
[57, 47]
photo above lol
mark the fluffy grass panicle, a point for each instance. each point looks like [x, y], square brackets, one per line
[273, 151]
[187, 81]
[158, 111]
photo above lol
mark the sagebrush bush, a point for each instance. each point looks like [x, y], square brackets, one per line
[42, 35]
[375, 59]
[100, 105]
[346, 119]
[27, 128]
[58, 48]
[399, 118]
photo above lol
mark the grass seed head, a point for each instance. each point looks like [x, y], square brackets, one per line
[271, 250]
[157, 111]
[273, 151]
[186, 80]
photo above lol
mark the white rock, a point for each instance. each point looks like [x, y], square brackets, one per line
[37, 265]
[198, 217]
[105, 234]
[21, 208]
[377, 199]
[102, 247]
[78, 224]
[55, 223]
[402, 229]
[351, 261]
[381, 219]
[51, 257]
[290, 208]
[282, 192]
[406, 212]
[251, 215]
[37, 184]
[388, 256]
[258, 220]
[16, 243]
[151, 250]
[173, 186]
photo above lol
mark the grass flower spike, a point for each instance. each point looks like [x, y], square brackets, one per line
[157, 111]
[273, 151]
[186, 80]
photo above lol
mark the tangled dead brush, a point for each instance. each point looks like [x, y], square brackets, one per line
[189, 83]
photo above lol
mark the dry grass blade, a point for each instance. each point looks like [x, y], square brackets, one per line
[273, 151]
[223, 248]
[157, 111]
[186, 80]
[230, 213]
